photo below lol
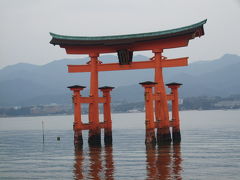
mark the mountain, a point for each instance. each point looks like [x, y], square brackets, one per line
[210, 78]
[27, 84]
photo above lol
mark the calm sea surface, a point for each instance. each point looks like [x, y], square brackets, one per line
[210, 149]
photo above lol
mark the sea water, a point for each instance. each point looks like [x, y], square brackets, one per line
[210, 149]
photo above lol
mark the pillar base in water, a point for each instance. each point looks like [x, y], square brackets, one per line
[78, 140]
[150, 137]
[176, 135]
[163, 136]
[94, 137]
[107, 137]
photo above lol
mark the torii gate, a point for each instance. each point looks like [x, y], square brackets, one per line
[124, 46]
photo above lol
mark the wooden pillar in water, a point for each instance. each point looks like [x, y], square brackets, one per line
[107, 114]
[176, 134]
[161, 106]
[94, 136]
[77, 125]
[149, 112]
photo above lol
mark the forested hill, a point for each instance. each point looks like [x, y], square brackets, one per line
[26, 84]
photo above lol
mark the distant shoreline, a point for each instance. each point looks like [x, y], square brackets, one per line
[1, 117]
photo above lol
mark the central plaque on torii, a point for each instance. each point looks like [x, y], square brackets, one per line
[157, 113]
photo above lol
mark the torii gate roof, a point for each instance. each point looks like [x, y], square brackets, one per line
[192, 31]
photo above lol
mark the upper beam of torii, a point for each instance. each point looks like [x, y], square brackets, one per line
[125, 45]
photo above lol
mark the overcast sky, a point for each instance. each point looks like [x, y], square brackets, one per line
[25, 25]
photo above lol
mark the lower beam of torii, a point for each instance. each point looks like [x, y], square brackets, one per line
[161, 106]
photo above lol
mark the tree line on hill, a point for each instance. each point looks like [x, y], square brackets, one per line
[189, 103]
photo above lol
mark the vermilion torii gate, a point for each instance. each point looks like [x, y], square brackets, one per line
[124, 46]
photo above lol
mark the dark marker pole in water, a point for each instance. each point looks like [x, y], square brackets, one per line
[43, 130]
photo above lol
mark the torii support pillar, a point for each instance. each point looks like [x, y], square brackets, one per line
[176, 135]
[77, 125]
[107, 114]
[149, 113]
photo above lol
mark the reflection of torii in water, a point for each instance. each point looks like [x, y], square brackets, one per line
[99, 165]
[125, 45]
[164, 162]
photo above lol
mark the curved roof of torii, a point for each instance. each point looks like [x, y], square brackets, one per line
[62, 40]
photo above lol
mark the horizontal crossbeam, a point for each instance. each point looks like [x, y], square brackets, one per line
[134, 65]
[170, 97]
[91, 100]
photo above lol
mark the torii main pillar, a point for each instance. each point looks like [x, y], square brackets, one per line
[124, 46]
[94, 136]
[161, 106]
